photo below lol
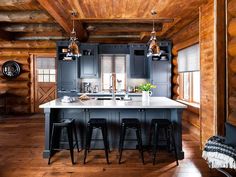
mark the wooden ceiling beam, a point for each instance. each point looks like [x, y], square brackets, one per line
[123, 27]
[25, 17]
[52, 8]
[5, 35]
[125, 20]
[47, 27]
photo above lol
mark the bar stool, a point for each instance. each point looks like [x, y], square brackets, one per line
[130, 123]
[156, 126]
[102, 125]
[69, 124]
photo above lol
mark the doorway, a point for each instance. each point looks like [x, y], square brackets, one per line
[44, 80]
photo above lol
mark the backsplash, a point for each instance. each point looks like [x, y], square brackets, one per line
[131, 84]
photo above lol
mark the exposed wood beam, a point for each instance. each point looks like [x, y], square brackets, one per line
[5, 35]
[25, 17]
[114, 40]
[123, 27]
[31, 27]
[126, 20]
[61, 16]
[27, 45]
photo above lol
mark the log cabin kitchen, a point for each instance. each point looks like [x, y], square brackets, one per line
[117, 88]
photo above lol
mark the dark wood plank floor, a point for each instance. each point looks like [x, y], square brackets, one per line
[21, 146]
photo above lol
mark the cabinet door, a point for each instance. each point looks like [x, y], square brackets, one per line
[161, 77]
[89, 62]
[67, 74]
[138, 61]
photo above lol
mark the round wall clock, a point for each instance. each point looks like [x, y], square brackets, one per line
[11, 69]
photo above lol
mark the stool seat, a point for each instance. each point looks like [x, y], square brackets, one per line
[132, 123]
[97, 123]
[167, 126]
[101, 124]
[69, 124]
[64, 123]
[161, 122]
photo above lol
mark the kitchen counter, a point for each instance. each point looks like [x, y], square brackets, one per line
[155, 102]
[114, 112]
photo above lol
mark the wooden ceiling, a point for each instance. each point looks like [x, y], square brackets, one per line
[108, 21]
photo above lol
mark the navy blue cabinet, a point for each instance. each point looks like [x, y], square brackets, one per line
[67, 75]
[89, 64]
[161, 77]
[138, 61]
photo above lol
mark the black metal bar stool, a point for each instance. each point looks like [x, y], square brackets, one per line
[102, 125]
[167, 126]
[69, 124]
[131, 123]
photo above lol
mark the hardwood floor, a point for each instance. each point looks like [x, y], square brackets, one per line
[21, 146]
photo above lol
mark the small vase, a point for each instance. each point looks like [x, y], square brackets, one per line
[145, 96]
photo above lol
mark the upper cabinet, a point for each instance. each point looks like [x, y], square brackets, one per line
[67, 77]
[160, 71]
[89, 65]
[67, 68]
[138, 61]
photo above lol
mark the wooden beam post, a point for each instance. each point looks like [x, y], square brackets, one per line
[59, 12]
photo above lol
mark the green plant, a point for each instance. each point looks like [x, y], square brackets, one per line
[146, 87]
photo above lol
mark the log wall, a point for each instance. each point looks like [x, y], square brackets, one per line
[231, 61]
[18, 91]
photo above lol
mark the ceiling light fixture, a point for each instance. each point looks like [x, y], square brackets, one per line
[73, 48]
[154, 48]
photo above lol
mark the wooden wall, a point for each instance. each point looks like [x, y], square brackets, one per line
[185, 38]
[208, 80]
[213, 66]
[18, 91]
[232, 61]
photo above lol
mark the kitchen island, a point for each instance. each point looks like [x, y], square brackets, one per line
[113, 111]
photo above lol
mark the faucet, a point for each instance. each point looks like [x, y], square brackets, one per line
[112, 87]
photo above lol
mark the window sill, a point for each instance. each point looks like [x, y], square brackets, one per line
[193, 107]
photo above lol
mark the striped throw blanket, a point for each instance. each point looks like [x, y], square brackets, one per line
[218, 154]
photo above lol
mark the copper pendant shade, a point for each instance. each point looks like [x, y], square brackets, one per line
[154, 49]
[73, 48]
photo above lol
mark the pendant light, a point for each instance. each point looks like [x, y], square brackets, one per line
[73, 48]
[154, 48]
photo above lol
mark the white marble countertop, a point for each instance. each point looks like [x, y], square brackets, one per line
[155, 102]
[109, 94]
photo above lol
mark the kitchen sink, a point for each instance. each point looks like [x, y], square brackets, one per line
[107, 98]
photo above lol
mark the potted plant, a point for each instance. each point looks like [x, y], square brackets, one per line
[146, 91]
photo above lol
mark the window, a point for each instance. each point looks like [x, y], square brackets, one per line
[188, 67]
[113, 66]
[190, 86]
[46, 71]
